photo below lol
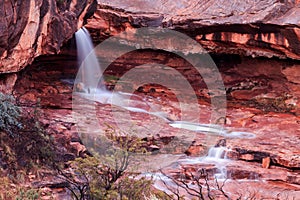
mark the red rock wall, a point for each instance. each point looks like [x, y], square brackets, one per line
[36, 27]
[253, 28]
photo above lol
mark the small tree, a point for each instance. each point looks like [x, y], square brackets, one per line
[23, 138]
[106, 176]
[9, 115]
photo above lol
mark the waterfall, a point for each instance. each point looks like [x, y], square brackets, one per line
[217, 156]
[89, 88]
[217, 153]
[87, 59]
[89, 85]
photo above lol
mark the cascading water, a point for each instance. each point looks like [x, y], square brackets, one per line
[87, 87]
[217, 153]
[218, 156]
[87, 59]
[90, 89]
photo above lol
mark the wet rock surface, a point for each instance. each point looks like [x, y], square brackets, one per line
[32, 28]
[244, 179]
[253, 28]
[263, 95]
[276, 126]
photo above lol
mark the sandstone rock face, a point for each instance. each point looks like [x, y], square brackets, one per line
[266, 114]
[254, 28]
[7, 83]
[32, 28]
[263, 94]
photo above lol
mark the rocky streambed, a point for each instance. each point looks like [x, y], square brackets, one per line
[255, 46]
[261, 102]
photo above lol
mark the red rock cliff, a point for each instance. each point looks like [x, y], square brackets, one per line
[269, 28]
[35, 27]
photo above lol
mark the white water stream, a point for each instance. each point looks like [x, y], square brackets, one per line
[90, 72]
[91, 90]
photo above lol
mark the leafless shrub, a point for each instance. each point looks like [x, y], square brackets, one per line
[194, 184]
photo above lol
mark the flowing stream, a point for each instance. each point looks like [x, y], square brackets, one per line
[216, 156]
[88, 87]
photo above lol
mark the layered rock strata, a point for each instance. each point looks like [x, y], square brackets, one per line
[253, 28]
[32, 28]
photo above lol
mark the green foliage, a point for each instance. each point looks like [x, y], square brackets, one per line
[128, 142]
[33, 146]
[94, 180]
[24, 144]
[160, 195]
[37, 144]
[9, 190]
[8, 156]
[134, 187]
[28, 194]
[9, 115]
[106, 175]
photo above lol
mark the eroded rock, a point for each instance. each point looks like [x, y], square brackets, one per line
[265, 28]
[7, 83]
[32, 28]
[266, 162]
